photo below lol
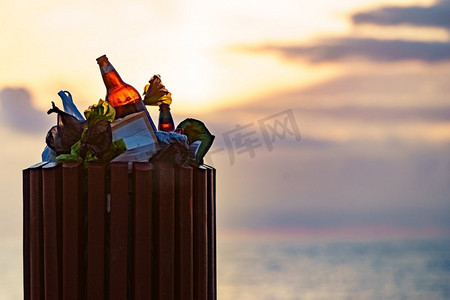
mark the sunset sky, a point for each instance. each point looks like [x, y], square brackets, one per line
[366, 83]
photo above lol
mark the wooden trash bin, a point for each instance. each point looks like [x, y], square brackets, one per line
[119, 231]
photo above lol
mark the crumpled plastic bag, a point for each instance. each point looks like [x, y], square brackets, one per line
[172, 147]
[69, 106]
[155, 93]
[65, 133]
[115, 148]
[96, 138]
[48, 154]
[100, 111]
[95, 143]
[199, 137]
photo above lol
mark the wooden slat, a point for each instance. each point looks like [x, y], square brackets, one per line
[211, 213]
[26, 233]
[118, 264]
[183, 234]
[96, 250]
[169, 252]
[165, 233]
[72, 210]
[214, 203]
[36, 236]
[200, 235]
[142, 231]
[51, 198]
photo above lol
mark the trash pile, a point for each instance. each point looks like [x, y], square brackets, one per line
[120, 129]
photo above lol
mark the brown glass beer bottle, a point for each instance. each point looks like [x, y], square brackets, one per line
[122, 96]
[165, 118]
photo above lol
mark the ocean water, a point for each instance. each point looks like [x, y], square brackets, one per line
[414, 269]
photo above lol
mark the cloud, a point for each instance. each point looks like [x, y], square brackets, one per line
[430, 81]
[379, 50]
[19, 113]
[351, 184]
[362, 182]
[412, 96]
[385, 114]
[437, 15]
[341, 49]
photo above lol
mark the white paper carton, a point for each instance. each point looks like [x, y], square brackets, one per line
[138, 135]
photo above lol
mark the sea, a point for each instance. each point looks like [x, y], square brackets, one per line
[309, 270]
[337, 270]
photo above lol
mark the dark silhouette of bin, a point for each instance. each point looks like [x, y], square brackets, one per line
[119, 231]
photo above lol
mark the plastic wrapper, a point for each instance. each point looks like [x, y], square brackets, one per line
[100, 111]
[199, 137]
[115, 148]
[48, 154]
[69, 106]
[95, 143]
[65, 133]
[97, 138]
[155, 93]
[172, 147]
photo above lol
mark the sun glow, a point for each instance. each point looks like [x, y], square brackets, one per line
[191, 51]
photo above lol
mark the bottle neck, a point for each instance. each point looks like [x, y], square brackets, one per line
[164, 107]
[110, 76]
